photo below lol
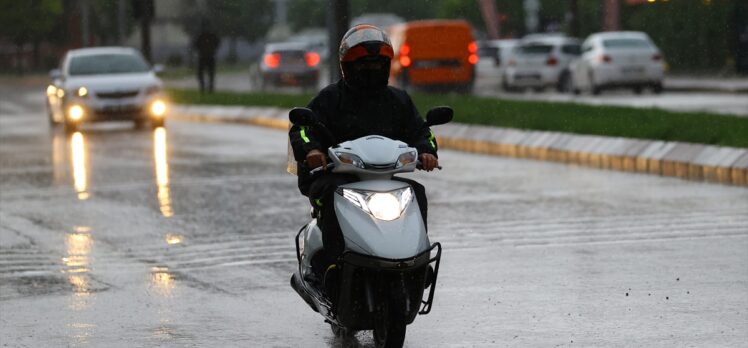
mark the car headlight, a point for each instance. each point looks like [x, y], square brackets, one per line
[406, 158]
[82, 92]
[350, 158]
[75, 113]
[386, 206]
[158, 108]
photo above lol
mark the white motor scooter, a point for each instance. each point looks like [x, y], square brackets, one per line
[378, 282]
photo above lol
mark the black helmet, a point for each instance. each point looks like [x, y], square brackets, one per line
[365, 54]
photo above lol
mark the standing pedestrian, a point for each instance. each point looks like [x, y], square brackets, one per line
[206, 44]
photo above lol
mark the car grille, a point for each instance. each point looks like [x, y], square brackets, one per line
[117, 95]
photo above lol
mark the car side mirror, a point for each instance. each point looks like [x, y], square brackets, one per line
[55, 74]
[439, 115]
[302, 117]
[158, 68]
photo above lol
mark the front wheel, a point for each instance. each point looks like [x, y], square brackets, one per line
[390, 333]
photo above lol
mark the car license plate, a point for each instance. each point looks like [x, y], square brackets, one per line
[633, 70]
[118, 108]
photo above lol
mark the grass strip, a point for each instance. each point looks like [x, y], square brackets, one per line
[655, 124]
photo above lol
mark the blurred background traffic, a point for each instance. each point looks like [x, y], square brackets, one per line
[694, 37]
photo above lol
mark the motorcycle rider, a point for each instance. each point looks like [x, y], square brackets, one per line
[359, 104]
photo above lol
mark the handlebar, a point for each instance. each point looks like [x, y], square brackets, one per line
[331, 165]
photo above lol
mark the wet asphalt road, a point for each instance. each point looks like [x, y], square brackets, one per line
[183, 238]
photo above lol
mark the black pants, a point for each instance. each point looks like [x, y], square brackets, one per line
[321, 193]
[206, 65]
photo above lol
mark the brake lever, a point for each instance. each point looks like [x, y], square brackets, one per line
[320, 168]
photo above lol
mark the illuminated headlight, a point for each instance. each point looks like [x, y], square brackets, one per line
[158, 108]
[82, 92]
[406, 158]
[350, 158]
[75, 113]
[386, 206]
[51, 90]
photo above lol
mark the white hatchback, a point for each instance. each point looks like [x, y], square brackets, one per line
[540, 61]
[623, 59]
[105, 84]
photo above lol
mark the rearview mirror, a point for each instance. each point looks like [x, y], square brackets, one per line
[55, 74]
[439, 115]
[302, 117]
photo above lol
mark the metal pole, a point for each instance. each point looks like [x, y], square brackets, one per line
[573, 18]
[85, 33]
[337, 25]
[121, 21]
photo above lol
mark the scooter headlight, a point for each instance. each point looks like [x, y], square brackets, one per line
[386, 206]
[350, 158]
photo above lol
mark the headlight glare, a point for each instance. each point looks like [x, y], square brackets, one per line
[75, 113]
[82, 92]
[158, 108]
[385, 206]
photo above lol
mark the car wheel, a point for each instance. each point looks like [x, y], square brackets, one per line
[139, 124]
[70, 127]
[594, 88]
[51, 116]
[657, 88]
[157, 123]
[637, 90]
[564, 84]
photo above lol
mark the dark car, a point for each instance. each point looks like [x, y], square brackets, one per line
[289, 64]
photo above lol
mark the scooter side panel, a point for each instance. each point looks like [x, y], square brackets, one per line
[397, 239]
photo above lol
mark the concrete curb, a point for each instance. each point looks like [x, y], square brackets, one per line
[725, 165]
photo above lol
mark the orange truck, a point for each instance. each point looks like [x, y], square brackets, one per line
[434, 53]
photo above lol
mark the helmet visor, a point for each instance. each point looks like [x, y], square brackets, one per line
[364, 50]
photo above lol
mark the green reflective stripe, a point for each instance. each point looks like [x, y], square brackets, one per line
[318, 202]
[431, 140]
[303, 135]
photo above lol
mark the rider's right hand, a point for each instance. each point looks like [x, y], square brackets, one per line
[315, 159]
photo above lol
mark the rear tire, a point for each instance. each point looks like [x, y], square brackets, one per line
[139, 124]
[637, 90]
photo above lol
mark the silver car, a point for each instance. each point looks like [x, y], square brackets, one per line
[105, 84]
[626, 59]
[289, 64]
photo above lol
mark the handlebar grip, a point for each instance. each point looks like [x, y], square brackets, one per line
[320, 168]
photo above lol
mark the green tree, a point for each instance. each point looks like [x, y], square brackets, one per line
[28, 22]
[692, 34]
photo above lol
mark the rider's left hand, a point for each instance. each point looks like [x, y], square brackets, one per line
[429, 162]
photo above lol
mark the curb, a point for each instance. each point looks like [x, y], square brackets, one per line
[717, 164]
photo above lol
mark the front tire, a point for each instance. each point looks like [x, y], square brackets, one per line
[157, 123]
[391, 326]
[70, 127]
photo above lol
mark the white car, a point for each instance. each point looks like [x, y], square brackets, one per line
[625, 59]
[539, 62]
[105, 84]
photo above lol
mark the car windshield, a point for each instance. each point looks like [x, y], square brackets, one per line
[113, 63]
[535, 49]
[626, 43]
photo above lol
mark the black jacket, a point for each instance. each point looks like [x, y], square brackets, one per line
[350, 115]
